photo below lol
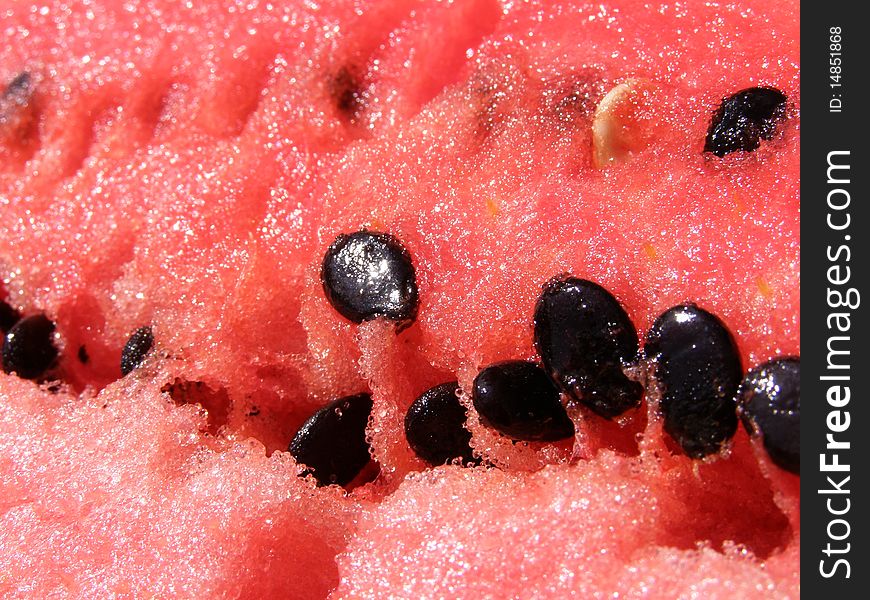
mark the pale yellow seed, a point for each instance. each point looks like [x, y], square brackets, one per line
[763, 286]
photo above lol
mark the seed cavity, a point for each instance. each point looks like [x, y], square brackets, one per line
[518, 399]
[348, 94]
[585, 338]
[435, 427]
[697, 371]
[136, 349]
[367, 275]
[769, 403]
[570, 98]
[17, 111]
[17, 94]
[29, 350]
[496, 95]
[332, 442]
[215, 401]
[744, 119]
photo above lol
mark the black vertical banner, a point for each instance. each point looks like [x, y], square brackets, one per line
[835, 228]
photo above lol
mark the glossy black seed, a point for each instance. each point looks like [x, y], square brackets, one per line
[332, 442]
[28, 349]
[744, 119]
[697, 371]
[518, 399]
[136, 348]
[84, 358]
[769, 402]
[8, 316]
[367, 275]
[584, 338]
[435, 426]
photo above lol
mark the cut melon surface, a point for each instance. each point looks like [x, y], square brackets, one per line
[187, 165]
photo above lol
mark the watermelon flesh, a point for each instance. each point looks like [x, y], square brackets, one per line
[187, 167]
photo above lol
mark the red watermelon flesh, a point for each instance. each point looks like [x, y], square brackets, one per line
[187, 166]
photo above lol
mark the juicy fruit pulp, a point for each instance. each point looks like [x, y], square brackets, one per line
[188, 165]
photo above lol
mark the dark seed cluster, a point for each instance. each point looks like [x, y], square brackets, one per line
[29, 348]
[587, 344]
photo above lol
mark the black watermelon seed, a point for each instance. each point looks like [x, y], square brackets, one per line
[28, 349]
[8, 316]
[332, 442]
[698, 372]
[518, 399]
[769, 401]
[136, 348]
[367, 275]
[744, 119]
[584, 338]
[435, 426]
[83, 355]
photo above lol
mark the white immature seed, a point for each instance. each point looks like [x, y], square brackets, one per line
[622, 124]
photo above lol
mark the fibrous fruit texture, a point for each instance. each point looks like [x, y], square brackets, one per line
[286, 221]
